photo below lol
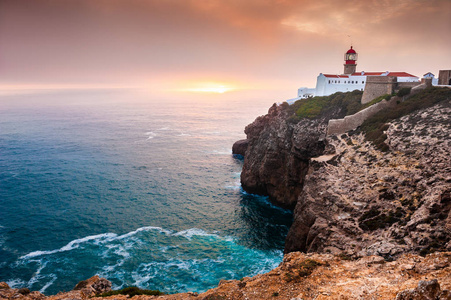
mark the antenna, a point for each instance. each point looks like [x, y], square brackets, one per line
[350, 39]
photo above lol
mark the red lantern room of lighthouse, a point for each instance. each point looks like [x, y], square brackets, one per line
[350, 61]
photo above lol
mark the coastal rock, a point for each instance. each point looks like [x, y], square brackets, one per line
[426, 290]
[318, 276]
[240, 147]
[278, 153]
[94, 286]
[4, 285]
[22, 294]
[361, 201]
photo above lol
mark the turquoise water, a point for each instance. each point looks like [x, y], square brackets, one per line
[135, 188]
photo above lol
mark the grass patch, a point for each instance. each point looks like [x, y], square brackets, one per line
[403, 92]
[344, 256]
[307, 266]
[376, 100]
[374, 126]
[302, 269]
[131, 291]
[216, 297]
[316, 106]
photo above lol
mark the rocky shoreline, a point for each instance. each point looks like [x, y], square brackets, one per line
[368, 224]
[304, 276]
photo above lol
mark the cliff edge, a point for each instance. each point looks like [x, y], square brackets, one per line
[353, 196]
[279, 145]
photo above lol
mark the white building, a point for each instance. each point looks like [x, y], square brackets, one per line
[327, 84]
[430, 75]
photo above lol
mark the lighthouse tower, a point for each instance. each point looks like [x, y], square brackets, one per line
[350, 61]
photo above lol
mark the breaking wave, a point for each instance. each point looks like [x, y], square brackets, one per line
[148, 257]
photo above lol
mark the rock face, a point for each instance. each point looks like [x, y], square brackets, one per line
[355, 199]
[366, 202]
[316, 276]
[239, 147]
[426, 290]
[83, 290]
[94, 286]
[278, 152]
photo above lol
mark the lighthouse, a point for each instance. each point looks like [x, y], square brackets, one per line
[350, 62]
[350, 80]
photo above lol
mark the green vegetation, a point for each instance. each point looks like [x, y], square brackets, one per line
[132, 291]
[313, 107]
[375, 126]
[403, 92]
[377, 100]
[344, 256]
[307, 266]
[216, 297]
[303, 269]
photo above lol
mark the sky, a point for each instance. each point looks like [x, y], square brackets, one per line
[220, 45]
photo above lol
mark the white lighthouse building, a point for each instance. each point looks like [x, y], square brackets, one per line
[350, 80]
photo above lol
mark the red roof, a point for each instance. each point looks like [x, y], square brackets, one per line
[335, 76]
[396, 74]
[350, 51]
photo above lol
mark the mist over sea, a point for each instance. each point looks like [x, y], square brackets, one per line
[140, 189]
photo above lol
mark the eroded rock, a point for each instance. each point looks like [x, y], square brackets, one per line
[366, 202]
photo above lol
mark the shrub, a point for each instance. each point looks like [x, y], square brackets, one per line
[403, 92]
[373, 127]
[344, 256]
[376, 100]
[307, 266]
[315, 106]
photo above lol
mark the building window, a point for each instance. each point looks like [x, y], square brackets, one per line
[352, 81]
[363, 82]
[329, 81]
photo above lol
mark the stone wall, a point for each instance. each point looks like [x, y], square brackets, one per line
[444, 77]
[377, 86]
[338, 126]
[401, 85]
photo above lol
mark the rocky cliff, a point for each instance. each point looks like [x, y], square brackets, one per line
[278, 151]
[362, 201]
[372, 224]
[350, 197]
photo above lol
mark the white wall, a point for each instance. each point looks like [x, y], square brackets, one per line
[408, 79]
[327, 86]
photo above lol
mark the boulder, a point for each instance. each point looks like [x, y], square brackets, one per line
[240, 147]
[94, 286]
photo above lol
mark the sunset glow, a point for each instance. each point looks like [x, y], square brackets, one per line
[211, 89]
[279, 43]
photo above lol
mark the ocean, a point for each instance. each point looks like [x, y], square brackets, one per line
[139, 189]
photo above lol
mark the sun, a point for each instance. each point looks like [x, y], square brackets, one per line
[217, 89]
